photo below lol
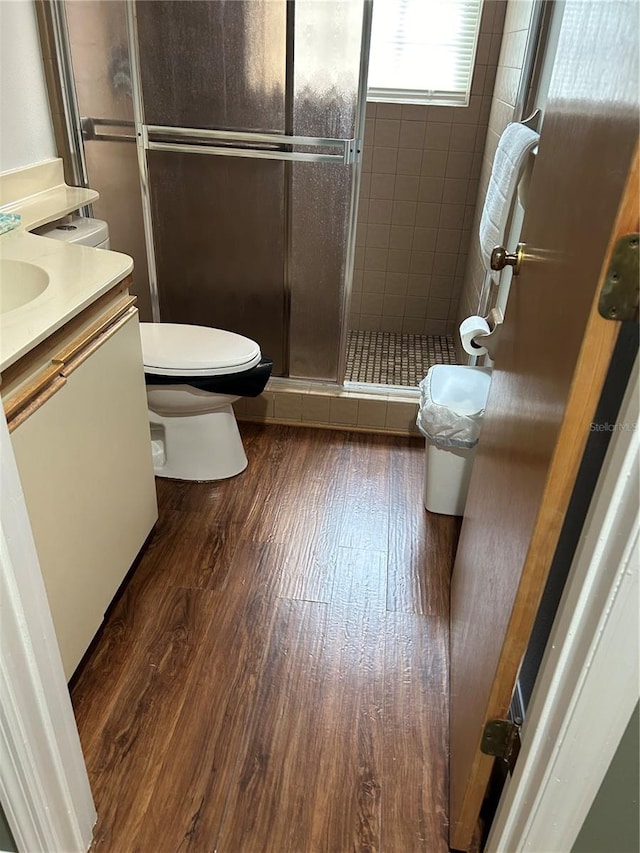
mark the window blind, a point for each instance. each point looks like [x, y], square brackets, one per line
[423, 51]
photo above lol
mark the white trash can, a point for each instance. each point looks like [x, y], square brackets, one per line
[453, 399]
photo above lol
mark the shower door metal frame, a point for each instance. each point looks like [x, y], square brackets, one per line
[269, 146]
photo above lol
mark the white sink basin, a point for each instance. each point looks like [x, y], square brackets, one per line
[20, 283]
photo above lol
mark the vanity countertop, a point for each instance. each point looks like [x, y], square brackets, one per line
[78, 275]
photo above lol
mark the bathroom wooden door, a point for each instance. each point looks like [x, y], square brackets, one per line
[549, 372]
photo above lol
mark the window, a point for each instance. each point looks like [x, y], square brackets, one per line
[422, 51]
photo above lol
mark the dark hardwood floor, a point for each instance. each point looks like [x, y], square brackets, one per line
[274, 676]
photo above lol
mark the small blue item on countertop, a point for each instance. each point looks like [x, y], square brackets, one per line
[9, 221]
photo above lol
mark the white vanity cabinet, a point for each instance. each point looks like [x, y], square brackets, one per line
[77, 414]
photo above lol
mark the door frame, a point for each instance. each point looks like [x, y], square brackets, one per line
[587, 688]
[44, 786]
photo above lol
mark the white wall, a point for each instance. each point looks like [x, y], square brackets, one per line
[26, 132]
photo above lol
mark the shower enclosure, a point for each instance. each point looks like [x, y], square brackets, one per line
[223, 137]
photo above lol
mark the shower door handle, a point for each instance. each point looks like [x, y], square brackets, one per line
[266, 146]
[91, 131]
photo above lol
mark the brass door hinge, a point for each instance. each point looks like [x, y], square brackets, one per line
[501, 738]
[619, 294]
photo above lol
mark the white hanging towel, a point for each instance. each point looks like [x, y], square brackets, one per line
[513, 149]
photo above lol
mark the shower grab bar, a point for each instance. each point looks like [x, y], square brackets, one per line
[348, 147]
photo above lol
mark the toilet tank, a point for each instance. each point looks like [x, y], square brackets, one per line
[77, 229]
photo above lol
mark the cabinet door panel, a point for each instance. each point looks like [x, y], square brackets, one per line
[84, 459]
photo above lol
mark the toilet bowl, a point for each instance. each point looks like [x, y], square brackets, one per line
[194, 374]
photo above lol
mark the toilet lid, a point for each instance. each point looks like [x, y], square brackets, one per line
[172, 349]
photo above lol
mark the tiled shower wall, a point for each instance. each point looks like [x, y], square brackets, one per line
[516, 29]
[417, 203]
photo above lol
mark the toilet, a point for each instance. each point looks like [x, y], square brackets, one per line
[194, 374]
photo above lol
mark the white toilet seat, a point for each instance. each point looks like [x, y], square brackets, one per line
[173, 349]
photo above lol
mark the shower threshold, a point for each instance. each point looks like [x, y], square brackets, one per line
[394, 359]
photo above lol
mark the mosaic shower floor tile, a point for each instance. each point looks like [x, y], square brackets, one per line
[389, 358]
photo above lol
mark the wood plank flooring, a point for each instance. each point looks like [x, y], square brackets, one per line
[274, 676]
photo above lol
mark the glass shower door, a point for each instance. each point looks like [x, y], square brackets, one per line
[245, 116]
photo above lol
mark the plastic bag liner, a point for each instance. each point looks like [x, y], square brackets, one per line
[452, 403]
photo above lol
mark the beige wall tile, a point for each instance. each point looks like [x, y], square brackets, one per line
[406, 187]
[393, 111]
[401, 415]
[484, 46]
[477, 83]
[384, 160]
[287, 406]
[343, 410]
[444, 264]
[382, 186]
[421, 263]
[437, 136]
[398, 260]
[315, 408]
[372, 413]
[441, 286]
[404, 213]
[412, 326]
[455, 191]
[448, 240]
[452, 215]
[438, 309]
[416, 306]
[393, 306]
[463, 137]
[387, 132]
[370, 322]
[506, 85]
[425, 239]
[378, 236]
[409, 161]
[367, 158]
[397, 283]
[414, 112]
[431, 189]
[428, 212]
[459, 164]
[513, 47]
[391, 324]
[435, 327]
[470, 115]
[373, 281]
[412, 134]
[418, 285]
[260, 407]
[518, 15]
[375, 259]
[380, 211]
[371, 303]
[401, 236]
[472, 192]
[434, 163]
